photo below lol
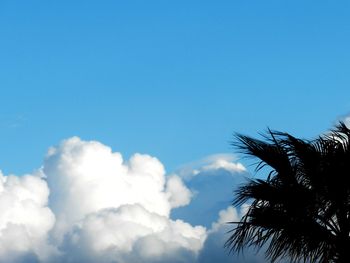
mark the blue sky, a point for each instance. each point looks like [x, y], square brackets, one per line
[171, 79]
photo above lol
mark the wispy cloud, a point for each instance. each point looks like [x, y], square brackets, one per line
[12, 121]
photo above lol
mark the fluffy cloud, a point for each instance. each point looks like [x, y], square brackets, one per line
[218, 234]
[113, 207]
[213, 248]
[179, 194]
[25, 218]
[87, 204]
[131, 233]
[211, 180]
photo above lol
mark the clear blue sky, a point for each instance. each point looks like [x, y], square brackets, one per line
[173, 79]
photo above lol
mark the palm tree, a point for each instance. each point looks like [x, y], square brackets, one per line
[302, 210]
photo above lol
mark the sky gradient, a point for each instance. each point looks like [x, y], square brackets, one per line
[168, 79]
[174, 79]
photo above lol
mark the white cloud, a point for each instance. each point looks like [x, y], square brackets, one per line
[25, 218]
[212, 180]
[347, 121]
[131, 231]
[114, 207]
[87, 204]
[217, 236]
[344, 118]
[230, 214]
[179, 195]
[224, 164]
[213, 162]
[85, 177]
[213, 249]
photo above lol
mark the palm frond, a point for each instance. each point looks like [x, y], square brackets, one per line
[302, 209]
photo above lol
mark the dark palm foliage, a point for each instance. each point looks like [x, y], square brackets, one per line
[302, 209]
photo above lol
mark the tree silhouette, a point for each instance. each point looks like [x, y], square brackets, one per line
[302, 210]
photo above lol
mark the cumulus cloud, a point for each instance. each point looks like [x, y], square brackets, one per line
[25, 218]
[213, 248]
[230, 214]
[218, 234]
[211, 181]
[88, 204]
[179, 195]
[131, 233]
[113, 207]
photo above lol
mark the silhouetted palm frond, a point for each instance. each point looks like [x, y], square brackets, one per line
[302, 209]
